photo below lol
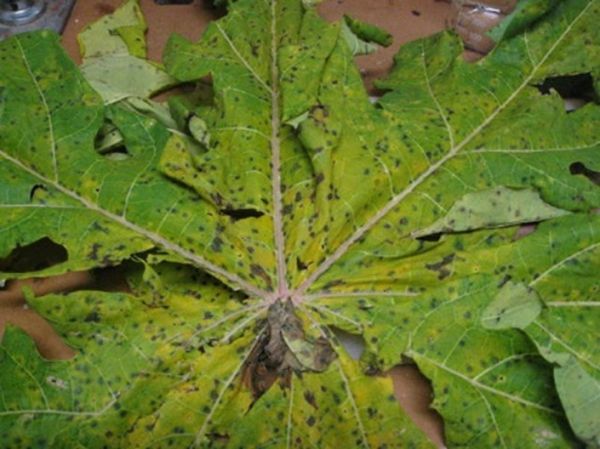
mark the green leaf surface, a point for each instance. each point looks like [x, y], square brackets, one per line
[119, 76]
[256, 217]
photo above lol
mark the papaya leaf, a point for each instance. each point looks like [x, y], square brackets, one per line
[256, 218]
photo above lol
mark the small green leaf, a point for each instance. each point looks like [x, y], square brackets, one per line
[580, 396]
[493, 208]
[516, 305]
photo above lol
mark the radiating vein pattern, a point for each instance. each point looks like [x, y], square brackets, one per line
[269, 212]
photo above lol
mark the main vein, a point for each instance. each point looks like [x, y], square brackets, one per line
[361, 231]
[156, 238]
[276, 160]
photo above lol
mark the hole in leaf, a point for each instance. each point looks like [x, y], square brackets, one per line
[353, 344]
[242, 214]
[179, 89]
[37, 191]
[431, 237]
[525, 230]
[219, 438]
[39, 255]
[216, 8]
[576, 90]
[193, 94]
[50, 345]
[301, 266]
[578, 168]
[110, 279]
[117, 153]
[109, 142]
[414, 393]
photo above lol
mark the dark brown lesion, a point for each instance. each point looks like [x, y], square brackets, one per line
[443, 267]
[284, 349]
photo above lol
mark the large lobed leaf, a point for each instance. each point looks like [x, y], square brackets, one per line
[258, 215]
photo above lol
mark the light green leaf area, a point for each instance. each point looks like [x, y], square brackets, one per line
[120, 76]
[122, 32]
[579, 393]
[272, 204]
[391, 315]
[199, 131]
[515, 305]
[481, 379]
[491, 208]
